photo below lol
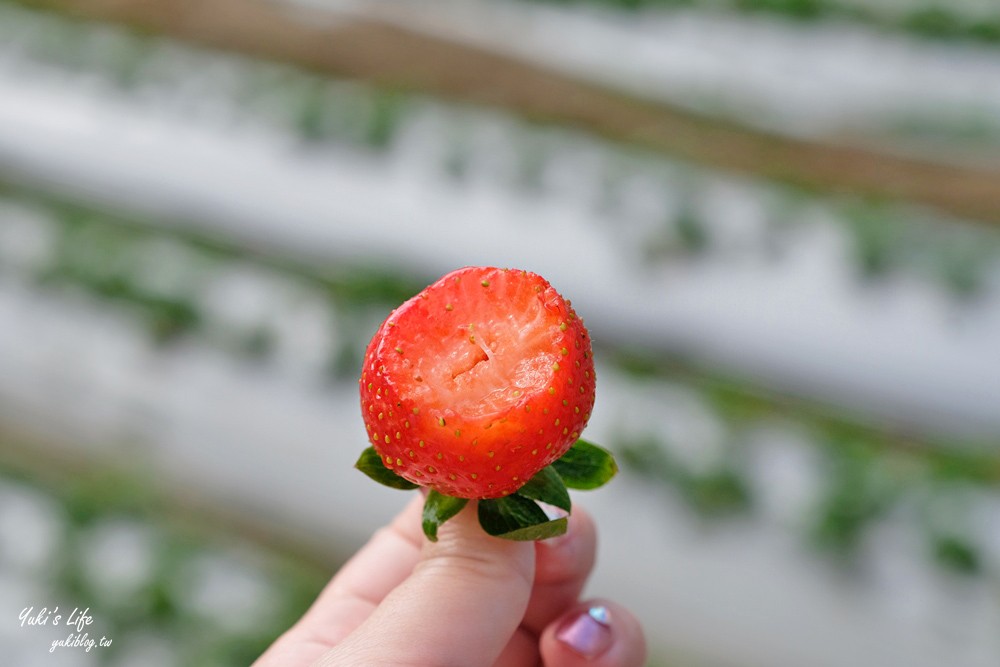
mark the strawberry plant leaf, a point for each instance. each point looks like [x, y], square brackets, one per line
[541, 531]
[370, 463]
[438, 508]
[586, 466]
[517, 518]
[548, 487]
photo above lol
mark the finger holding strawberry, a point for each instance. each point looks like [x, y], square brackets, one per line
[478, 389]
[467, 599]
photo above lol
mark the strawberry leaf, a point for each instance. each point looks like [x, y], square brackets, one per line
[586, 466]
[438, 508]
[548, 487]
[370, 463]
[517, 518]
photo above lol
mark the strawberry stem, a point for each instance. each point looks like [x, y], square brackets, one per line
[517, 516]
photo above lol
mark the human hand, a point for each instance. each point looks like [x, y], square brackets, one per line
[468, 599]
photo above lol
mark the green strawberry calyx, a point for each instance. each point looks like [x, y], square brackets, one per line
[517, 516]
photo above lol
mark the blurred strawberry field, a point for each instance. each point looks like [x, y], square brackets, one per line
[778, 219]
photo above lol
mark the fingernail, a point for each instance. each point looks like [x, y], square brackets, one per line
[588, 633]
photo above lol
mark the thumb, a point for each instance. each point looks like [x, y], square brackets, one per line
[461, 605]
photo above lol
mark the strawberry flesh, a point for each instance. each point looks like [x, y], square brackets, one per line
[478, 382]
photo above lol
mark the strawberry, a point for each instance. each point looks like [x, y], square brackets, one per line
[477, 383]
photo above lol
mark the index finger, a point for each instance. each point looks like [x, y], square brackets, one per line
[563, 567]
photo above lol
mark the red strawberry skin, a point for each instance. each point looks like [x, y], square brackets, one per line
[478, 382]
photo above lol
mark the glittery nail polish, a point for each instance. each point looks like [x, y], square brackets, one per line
[587, 633]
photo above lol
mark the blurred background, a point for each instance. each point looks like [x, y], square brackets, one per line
[778, 218]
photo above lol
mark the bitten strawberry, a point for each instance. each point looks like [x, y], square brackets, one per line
[477, 383]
